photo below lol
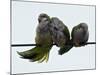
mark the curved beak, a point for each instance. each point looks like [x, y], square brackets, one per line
[44, 19]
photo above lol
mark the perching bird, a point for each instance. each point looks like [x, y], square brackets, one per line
[43, 38]
[60, 35]
[80, 34]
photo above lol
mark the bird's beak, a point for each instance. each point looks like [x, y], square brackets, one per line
[44, 19]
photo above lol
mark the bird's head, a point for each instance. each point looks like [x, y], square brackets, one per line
[84, 26]
[43, 18]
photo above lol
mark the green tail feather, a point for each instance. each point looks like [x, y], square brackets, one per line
[28, 54]
[43, 55]
[36, 54]
[64, 49]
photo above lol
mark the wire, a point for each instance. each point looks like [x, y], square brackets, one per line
[20, 45]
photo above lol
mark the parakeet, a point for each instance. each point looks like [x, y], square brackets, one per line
[43, 39]
[60, 35]
[80, 34]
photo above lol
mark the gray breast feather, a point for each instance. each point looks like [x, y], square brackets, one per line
[80, 36]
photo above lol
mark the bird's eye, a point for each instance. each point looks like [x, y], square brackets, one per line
[39, 20]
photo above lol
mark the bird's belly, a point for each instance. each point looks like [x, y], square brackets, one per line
[78, 37]
[43, 38]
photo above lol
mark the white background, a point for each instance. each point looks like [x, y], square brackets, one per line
[5, 37]
[24, 23]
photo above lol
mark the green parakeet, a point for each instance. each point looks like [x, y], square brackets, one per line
[60, 35]
[80, 34]
[43, 38]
